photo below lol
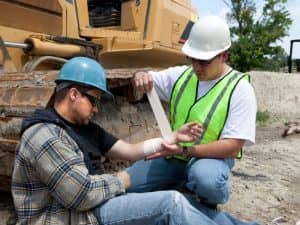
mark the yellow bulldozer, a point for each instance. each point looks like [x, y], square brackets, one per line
[37, 37]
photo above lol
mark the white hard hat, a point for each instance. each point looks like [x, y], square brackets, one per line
[209, 36]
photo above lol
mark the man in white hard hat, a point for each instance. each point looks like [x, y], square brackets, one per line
[211, 92]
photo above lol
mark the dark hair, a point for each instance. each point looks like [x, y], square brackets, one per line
[62, 89]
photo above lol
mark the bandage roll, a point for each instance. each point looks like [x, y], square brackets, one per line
[160, 116]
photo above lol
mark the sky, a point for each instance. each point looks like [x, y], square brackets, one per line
[219, 8]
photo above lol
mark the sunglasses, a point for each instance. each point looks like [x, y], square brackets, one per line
[95, 102]
[202, 62]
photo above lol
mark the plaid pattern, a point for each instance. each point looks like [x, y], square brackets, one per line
[50, 182]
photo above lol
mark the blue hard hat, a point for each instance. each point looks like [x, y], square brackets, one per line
[85, 71]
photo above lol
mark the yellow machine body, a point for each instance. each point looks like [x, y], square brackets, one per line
[126, 33]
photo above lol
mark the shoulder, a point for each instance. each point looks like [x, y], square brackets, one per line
[41, 130]
[95, 129]
[245, 88]
[38, 135]
[243, 96]
[244, 83]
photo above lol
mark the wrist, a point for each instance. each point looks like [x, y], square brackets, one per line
[152, 145]
[185, 151]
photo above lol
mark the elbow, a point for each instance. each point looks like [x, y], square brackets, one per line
[236, 147]
[132, 159]
[128, 157]
[234, 153]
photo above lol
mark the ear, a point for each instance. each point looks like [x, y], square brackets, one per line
[73, 94]
[225, 56]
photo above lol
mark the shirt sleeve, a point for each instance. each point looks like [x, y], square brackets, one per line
[241, 119]
[61, 168]
[106, 140]
[164, 81]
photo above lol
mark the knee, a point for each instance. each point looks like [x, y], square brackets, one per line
[211, 186]
[207, 179]
[173, 201]
[209, 174]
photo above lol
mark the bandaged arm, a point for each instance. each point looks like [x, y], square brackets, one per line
[133, 152]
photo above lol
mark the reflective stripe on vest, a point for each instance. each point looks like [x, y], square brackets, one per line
[211, 110]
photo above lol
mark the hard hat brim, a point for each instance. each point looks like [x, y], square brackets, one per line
[107, 96]
[201, 55]
[61, 84]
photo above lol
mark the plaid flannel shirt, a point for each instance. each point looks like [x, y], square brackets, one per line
[50, 182]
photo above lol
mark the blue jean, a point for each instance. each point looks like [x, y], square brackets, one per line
[159, 208]
[208, 178]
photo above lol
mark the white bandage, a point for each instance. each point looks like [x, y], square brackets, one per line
[152, 145]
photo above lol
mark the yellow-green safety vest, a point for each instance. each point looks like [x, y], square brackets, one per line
[211, 110]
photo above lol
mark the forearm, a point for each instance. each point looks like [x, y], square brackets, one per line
[225, 148]
[156, 147]
[134, 152]
[102, 187]
[79, 190]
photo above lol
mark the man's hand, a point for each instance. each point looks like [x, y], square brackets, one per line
[142, 81]
[188, 132]
[167, 150]
[124, 176]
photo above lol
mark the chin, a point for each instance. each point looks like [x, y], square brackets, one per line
[201, 76]
[83, 122]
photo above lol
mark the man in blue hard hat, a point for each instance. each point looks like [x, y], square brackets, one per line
[54, 181]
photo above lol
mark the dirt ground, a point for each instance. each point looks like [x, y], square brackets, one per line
[265, 184]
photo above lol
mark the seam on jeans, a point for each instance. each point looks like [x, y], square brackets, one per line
[176, 202]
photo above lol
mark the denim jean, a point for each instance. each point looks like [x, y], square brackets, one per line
[208, 178]
[159, 208]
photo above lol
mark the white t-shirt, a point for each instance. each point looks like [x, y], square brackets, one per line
[240, 123]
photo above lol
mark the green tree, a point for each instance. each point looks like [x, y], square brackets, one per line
[255, 37]
[276, 62]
